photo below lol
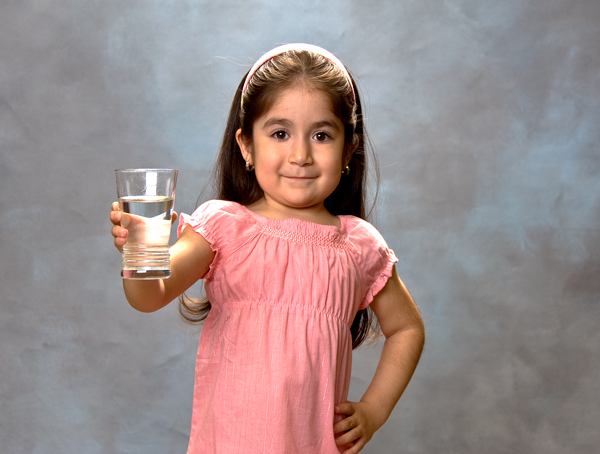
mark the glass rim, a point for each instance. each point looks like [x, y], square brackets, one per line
[149, 169]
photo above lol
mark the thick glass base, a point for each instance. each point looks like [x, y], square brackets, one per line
[146, 261]
[145, 274]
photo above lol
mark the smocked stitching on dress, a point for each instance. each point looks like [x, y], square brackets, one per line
[305, 239]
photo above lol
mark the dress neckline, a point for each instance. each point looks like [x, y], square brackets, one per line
[299, 223]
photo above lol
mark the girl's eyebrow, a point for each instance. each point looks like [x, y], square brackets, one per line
[277, 121]
[288, 123]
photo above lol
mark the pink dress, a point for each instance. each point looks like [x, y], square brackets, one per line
[276, 350]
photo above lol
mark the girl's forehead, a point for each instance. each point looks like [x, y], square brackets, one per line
[301, 99]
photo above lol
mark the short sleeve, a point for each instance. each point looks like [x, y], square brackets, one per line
[218, 222]
[375, 259]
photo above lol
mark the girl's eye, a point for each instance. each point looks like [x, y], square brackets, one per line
[280, 135]
[321, 136]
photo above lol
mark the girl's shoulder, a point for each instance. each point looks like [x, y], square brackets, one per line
[213, 206]
[216, 220]
[373, 256]
[221, 211]
[362, 233]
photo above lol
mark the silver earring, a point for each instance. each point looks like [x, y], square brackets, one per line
[249, 167]
[346, 171]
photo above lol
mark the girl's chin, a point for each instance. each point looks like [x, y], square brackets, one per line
[296, 203]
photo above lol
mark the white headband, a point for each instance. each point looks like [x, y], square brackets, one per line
[297, 46]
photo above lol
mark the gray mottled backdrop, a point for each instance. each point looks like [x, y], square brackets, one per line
[485, 115]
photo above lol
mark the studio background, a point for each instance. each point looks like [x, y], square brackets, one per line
[485, 116]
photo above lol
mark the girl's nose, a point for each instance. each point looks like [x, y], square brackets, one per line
[301, 153]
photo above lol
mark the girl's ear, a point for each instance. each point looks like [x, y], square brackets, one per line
[349, 150]
[245, 147]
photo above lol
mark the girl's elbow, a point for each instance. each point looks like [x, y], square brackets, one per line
[146, 306]
[142, 308]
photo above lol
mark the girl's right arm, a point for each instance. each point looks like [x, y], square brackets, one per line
[191, 257]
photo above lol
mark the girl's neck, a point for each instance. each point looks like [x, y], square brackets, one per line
[317, 214]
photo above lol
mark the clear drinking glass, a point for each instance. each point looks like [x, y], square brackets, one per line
[147, 196]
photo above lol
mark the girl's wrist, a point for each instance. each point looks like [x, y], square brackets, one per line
[378, 412]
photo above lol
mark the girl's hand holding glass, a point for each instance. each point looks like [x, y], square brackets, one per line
[122, 220]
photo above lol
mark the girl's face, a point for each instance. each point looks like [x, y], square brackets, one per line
[297, 150]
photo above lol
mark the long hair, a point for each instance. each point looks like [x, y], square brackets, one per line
[234, 183]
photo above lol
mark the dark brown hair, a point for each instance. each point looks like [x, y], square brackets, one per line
[234, 183]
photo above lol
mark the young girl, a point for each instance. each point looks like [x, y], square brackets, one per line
[290, 267]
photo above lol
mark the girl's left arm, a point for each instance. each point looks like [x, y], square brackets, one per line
[402, 326]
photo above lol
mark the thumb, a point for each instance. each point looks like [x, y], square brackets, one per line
[344, 408]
